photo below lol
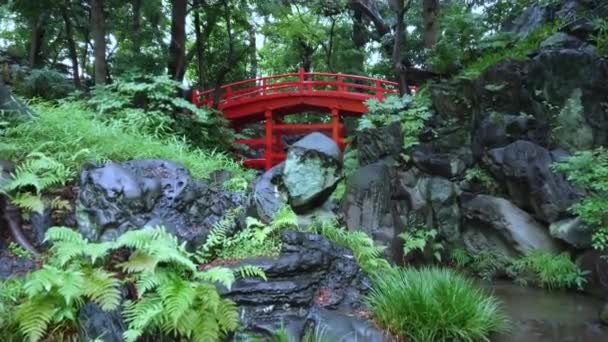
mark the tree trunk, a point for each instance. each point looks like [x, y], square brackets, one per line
[253, 52]
[99, 39]
[400, 7]
[200, 53]
[177, 47]
[36, 40]
[136, 5]
[330, 45]
[69, 33]
[430, 14]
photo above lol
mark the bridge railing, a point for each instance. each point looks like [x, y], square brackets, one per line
[300, 82]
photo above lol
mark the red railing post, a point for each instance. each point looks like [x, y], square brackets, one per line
[335, 126]
[268, 153]
[263, 86]
[301, 78]
[228, 92]
[379, 90]
[340, 80]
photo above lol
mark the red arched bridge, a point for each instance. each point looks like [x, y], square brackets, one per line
[271, 98]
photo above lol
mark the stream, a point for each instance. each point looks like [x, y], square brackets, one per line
[549, 316]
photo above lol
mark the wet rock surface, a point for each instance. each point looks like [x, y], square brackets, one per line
[309, 272]
[313, 167]
[121, 196]
[267, 198]
[525, 169]
[496, 224]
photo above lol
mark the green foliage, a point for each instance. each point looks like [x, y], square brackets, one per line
[72, 136]
[350, 165]
[484, 264]
[34, 175]
[519, 50]
[482, 177]
[19, 251]
[411, 112]
[45, 84]
[173, 296]
[257, 239]
[589, 170]
[149, 104]
[11, 293]
[423, 240]
[432, 304]
[548, 270]
[601, 36]
[368, 255]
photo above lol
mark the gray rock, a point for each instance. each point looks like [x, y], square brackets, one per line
[121, 196]
[525, 169]
[310, 271]
[510, 230]
[604, 314]
[267, 198]
[595, 264]
[572, 231]
[375, 144]
[367, 206]
[312, 170]
[98, 325]
[561, 40]
[443, 164]
[531, 19]
[498, 130]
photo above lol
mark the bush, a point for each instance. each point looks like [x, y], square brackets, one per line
[548, 270]
[72, 135]
[433, 304]
[589, 170]
[46, 84]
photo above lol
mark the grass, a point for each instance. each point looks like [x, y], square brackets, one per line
[548, 270]
[433, 304]
[72, 135]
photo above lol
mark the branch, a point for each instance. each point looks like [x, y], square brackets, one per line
[368, 9]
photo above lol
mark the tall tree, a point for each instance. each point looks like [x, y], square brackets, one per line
[177, 47]
[37, 26]
[400, 64]
[69, 34]
[430, 14]
[99, 41]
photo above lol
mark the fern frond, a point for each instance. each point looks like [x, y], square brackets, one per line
[34, 317]
[206, 330]
[103, 288]
[28, 202]
[284, 218]
[178, 295]
[147, 281]
[227, 316]
[222, 275]
[140, 314]
[140, 262]
[251, 271]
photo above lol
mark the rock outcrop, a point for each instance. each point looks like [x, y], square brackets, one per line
[493, 223]
[121, 196]
[312, 170]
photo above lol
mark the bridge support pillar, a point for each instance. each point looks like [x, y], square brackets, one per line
[268, 152]
[336, 133]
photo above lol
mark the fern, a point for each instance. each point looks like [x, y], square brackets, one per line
[250, 271]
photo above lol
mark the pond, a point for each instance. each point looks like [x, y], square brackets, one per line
[549, 316]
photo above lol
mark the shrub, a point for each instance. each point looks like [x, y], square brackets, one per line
[411, 111]
[589, 170]
[433, 304]
[172, 296]
[46, 84]
[422, 240]
[72, 135]
[548, 270]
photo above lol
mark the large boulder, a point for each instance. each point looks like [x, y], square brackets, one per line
[572, 231]
[267, 198]
[496, 224]
[498, 130]
[595, 263]
[312, 170]
[442, 164]
[309, 272]
[374, 144]
[367, 206]
[117, 197]
[525, 169]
